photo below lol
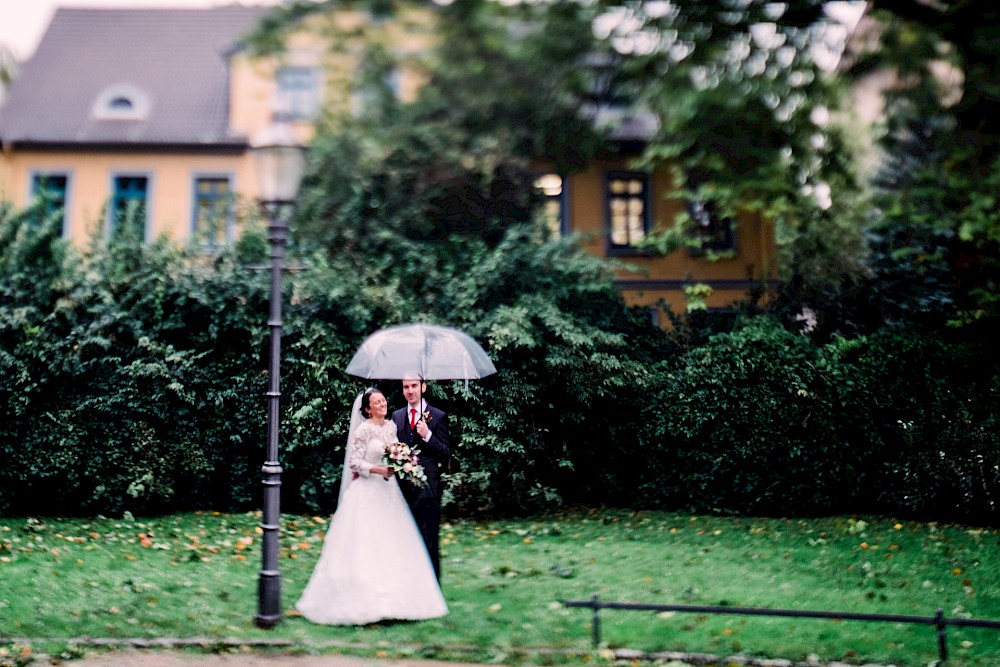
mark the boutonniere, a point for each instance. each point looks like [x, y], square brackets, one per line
[427, 417]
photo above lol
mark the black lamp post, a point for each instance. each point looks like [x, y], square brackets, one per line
[280, 161]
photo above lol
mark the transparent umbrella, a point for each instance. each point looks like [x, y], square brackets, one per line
[420, 351]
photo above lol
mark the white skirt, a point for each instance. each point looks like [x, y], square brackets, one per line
[374, 565]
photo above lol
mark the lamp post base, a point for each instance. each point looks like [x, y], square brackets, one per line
[269, 611]
[266, 622]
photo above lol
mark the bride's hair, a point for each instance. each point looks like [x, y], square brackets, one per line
[366, 400]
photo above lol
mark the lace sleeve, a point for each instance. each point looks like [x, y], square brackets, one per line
[356, 454]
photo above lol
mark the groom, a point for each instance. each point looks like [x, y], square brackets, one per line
[425, 427]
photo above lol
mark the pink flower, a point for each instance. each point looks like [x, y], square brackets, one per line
[405, 462]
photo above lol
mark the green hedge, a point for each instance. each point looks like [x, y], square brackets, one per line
[935, 411]
[761, 421]
[757, 421]
[133, 378]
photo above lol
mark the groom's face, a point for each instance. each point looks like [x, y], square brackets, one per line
[412, 389]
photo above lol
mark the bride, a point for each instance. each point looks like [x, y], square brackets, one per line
[374, 564]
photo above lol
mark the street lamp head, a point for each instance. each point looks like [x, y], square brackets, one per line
[280, 160]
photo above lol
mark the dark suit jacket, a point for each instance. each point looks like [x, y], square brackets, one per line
[433, 453]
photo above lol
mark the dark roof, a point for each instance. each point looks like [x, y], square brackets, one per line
[172, 62]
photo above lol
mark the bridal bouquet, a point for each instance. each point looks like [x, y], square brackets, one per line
[405, 462]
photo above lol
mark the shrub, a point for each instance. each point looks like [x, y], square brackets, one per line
[139, 383]
[756, 421]
[934, 416]
[134, 377]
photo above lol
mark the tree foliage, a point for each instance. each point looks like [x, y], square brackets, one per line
[745, 116]
[741, 109]
[762, 420]
[939, 184]
[135, 380]
[433, 204]
[133, 376]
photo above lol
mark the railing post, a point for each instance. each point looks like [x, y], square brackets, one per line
[942, 635]
[938, 620]
[595, 624]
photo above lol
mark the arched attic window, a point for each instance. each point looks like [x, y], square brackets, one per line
[121, 102]
[121, 105]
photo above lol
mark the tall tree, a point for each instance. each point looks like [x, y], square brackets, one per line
[430, 207]
[745, 106]
[919, 37]
[939, 185]
[741, 107]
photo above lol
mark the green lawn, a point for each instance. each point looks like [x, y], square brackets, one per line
[195, 575]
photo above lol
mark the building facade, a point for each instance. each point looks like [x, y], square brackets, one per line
[148, 114]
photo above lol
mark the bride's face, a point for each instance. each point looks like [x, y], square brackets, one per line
[377, 405]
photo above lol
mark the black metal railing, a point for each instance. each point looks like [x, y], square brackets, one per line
[938, 620]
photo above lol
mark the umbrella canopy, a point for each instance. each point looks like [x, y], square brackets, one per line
[424, 351]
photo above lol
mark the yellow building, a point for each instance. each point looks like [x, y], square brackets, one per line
[614, 207]
[133, 108]
[154, 110]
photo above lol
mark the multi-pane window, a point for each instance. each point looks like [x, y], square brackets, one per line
[628, 210]
[553, 210]
[393, 82]
[128, 204]
[714, 232]
[375, 90]
[50, 189]
[299, 92]
[212, 224]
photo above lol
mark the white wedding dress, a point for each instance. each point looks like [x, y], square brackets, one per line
[374, 564]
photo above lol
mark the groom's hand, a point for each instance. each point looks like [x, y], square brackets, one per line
[422, 429]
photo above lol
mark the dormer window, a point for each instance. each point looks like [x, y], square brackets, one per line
[121, 102]
[120, 105]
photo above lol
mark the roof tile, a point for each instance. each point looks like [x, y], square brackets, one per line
[175, 57]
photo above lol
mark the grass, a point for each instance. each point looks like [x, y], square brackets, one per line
[195, 576]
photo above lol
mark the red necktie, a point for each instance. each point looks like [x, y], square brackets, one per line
[413, 418]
